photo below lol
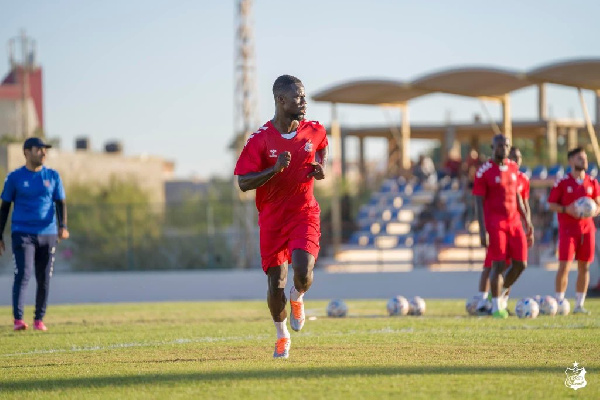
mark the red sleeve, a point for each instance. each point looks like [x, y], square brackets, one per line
[251, 158]
[596, 189]
[324, 143]
[479, 184]
[555, 193]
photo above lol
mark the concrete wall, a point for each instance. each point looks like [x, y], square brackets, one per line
[88, 167]
[11, 120]
[252, 285]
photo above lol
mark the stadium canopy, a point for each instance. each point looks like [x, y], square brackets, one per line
[582, 73]
[370, 92]
[489, 83]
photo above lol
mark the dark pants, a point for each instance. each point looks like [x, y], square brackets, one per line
[32, 252]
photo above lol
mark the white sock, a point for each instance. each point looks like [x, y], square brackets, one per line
[560, 296]
[495, 304]
[295, 295]
[483, 295]
[482, 302]
[580, 298]
[505, 292]
[282, 330]
[504, 302]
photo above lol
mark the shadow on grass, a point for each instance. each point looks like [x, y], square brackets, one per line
[279, 371]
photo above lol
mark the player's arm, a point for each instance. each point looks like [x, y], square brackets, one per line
[597, 200]
[559, 208]
[61, 218]
[4, 211]
[254, 180]
[481, 220]
[524, 211]
[319, 164]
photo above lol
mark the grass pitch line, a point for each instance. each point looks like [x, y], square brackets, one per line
[207, 339]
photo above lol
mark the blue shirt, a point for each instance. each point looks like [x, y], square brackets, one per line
[34, 194]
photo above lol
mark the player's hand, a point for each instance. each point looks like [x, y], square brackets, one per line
[530, 240]
[283, 161]
[484, 240]
[63, 233]
[570, 209]
[2, 248]
[318, 171]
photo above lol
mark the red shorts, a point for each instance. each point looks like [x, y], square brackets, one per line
[507, 243]
[276, 246]
[576, 245]
[488, 262]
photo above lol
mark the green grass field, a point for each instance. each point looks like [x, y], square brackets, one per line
[223, 350]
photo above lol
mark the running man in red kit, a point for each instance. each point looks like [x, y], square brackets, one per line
[484, 281]
[281, 161]
[499, 211]
[576, 235]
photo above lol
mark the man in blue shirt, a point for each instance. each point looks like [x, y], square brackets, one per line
[39, 220]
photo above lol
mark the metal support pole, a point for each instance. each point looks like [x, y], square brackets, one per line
[336, 210]
[590, 126]
[506, 117]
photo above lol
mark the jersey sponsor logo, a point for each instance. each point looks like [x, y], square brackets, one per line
[497, 179]
[308, 146]
[514, 177]
[589, 190]
[273, 153]
[26, 184]
[46, 183]
[569, 189]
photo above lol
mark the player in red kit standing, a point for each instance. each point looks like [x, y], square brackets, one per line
[576, 235]
[523, 187]
[499, 211]
[281, 161]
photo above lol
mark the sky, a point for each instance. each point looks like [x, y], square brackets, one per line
[158, 75]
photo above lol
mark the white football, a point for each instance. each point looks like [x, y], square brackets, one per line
[417, 306]
[471, 305]
[548, 306]
[564, 307]
[527, 308]
[337, 308]
[585, 207]
[397, 305]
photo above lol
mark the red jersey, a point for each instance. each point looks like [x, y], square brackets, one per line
[498, 185]
[523, 185]
[290, 192]
[568, 189]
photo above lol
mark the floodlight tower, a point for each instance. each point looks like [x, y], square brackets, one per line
[23, 68]
[245, 122]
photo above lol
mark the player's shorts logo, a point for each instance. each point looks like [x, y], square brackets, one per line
[575, 377]
[569, 189]
[273, 153]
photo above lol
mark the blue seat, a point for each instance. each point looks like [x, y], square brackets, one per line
[449, 238]
[592, 170]
[556, 171]
[526, 170]
[539, 172]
